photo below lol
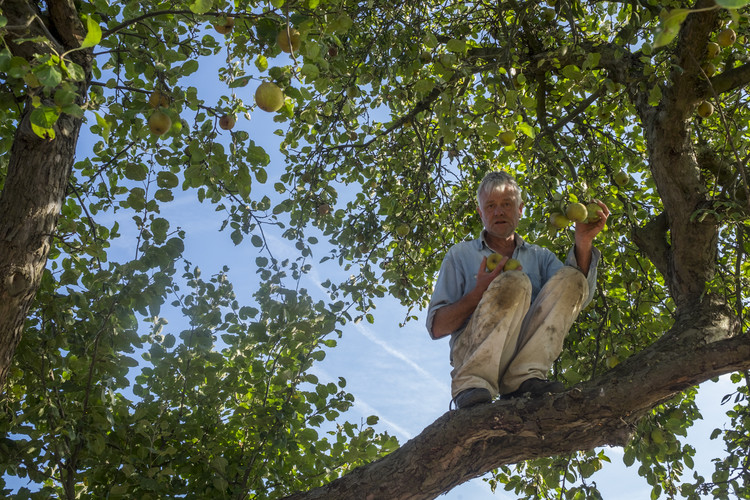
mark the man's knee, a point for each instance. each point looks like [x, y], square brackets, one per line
[512, 280]
[572, 280]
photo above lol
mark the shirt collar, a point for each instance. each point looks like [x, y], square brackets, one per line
[483, 242]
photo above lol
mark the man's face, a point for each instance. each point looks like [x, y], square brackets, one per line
[500, 210]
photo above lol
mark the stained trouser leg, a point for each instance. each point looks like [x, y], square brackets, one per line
[545, 327]
[488, 342]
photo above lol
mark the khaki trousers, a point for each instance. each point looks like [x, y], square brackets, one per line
[508, 340]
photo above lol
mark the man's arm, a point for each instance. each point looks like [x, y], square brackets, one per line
[449, 318]
[585, 234]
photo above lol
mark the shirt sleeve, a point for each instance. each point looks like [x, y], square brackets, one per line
[596, 255]
[448, 288]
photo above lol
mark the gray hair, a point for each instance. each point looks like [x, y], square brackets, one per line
[495, 180]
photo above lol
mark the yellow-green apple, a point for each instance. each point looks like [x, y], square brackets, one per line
[712, 49]
[269, 97]
[593, 210]
[403, 229]
[726, 37]
[558, 220]
[159, 122]
[493, 260]
[705, 109]
[288, 40]
[507, 138]
[511, 264]
[576, 212]
[622, 178]
[157, 99]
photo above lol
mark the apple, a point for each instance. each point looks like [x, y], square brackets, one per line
[726, 37]
[705, 109]
[559, 220]
[593, 210]
[324, 209]
[403, 229]
[511, 264]
[548, 14]
[159, 122]
[712, 50]
[269, 97]
[157, 99]
[493, 260]
[227, 122]
[576, 212]
[226, 27]
[289, 40]
[622, 178]
[709, 69]
[507, 138]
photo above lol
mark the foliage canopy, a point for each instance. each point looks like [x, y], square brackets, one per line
[392, 114]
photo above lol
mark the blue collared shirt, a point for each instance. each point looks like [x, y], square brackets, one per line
[458, 272]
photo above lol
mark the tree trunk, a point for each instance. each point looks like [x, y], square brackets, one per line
[37, 177]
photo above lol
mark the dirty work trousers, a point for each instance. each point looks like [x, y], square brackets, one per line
[508, 339]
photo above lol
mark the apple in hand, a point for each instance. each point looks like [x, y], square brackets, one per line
[493, 260]
[576, 212]
[593, 210]
[511, 264]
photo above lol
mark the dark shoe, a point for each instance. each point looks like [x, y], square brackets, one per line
[472, 397]
[535, 387]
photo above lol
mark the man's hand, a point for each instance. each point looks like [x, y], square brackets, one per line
[484, 277]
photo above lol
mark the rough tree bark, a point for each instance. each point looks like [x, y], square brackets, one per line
[38, 172]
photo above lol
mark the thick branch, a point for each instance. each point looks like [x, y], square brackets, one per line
[469, 443]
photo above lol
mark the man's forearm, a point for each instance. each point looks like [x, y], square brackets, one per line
[583, 256]
[450, 318]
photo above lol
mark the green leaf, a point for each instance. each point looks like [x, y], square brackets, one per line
[48, 74]
[43, 119]
[256, 241]
[93, 33]
[456, 46]
[201, 6]
[240, 82]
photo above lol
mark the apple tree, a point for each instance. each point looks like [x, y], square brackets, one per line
[387, 117]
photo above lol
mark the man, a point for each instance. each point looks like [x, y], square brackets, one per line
[507, 328]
